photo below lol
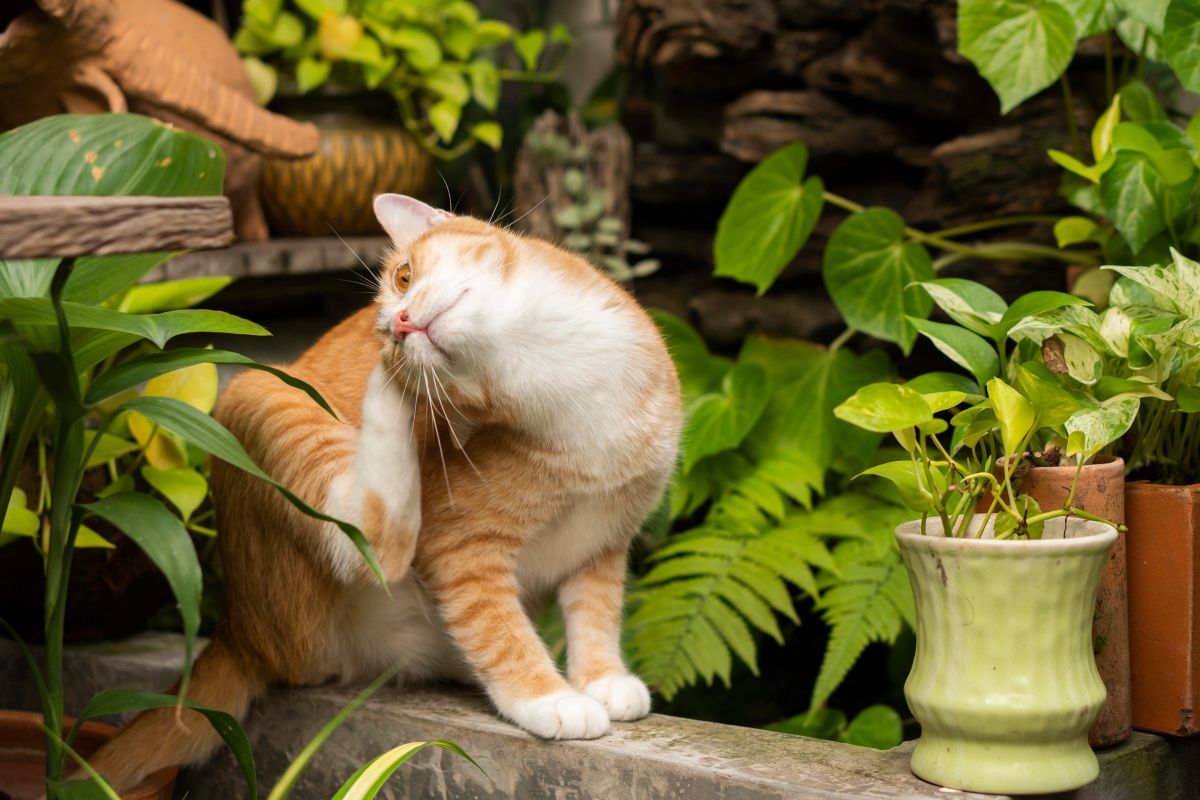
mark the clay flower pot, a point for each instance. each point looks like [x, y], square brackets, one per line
[1100, 492]
[23, 757]
[1004, 683]
[1164, 606]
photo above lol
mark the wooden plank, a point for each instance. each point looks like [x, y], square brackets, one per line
[57, 227]
[279, 257]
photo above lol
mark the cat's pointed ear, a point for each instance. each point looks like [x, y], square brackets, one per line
[406, 219]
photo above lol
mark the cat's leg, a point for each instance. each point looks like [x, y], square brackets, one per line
[591, 602]
[474, 580]
[381, 492]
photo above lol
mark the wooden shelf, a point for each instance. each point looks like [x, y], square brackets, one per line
[276, 257]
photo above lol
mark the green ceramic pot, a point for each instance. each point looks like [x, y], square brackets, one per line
[1004, 683]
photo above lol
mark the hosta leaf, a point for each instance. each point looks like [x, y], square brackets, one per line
[768, 219]
[1019, 46]
[868, 265]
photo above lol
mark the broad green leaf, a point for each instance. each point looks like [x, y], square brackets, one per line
[877, 726]
[338, 35]
[1102, 131]
[941, 401]
[263, 77]
[421, 48]
[699, 372]
[1140, 39]
[1083, 362]
[146, 368]
[1137, 199]
[485, 83]
[150, 298]
[768, 219]
[970, 304]
[1053, 404]
[720, 421]
[120, 701]
[962, 347]
[807, 381]
[867, 266]
[562, 34]
[1078, 320]
[1181, 41]
[19, 520]
[529, 46]
[288, 30]
[1074, 230]
[164, 540]
[444, 116]
[209, 435]
[885, 408]
[1035, 303]
[312, 73]
[909, 480]
[1150, 13]
[449, 84]
[108, 448]
[319, 8]
[1140, 103]
[490, 133]
[491, 32]
[195, 385]
[1175, 288]
[158, 328]
[1019, 46]
[1077, 167]
[1109, 388]
[1100, 426]
[1188, 398]
[86, 537]
[1015, 414]
[944, 382]
[183, 486]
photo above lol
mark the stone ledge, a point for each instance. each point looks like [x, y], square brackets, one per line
[659, 757]
[300, 256]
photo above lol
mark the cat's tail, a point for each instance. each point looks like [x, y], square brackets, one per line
[172, 736]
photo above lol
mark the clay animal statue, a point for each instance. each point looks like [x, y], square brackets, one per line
[508, 416]
[153, 57]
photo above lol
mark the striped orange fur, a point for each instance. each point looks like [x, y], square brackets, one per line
[507, 417]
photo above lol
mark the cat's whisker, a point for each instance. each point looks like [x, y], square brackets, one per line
[527, 213]
[449, 194]
[438, 436]
[443, 393]
[348, 247]
[495, 208]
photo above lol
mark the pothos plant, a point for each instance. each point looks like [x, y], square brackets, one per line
[438, 58]
[747, 477]
[60, 355]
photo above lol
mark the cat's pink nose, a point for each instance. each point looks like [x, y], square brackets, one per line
[401, 326]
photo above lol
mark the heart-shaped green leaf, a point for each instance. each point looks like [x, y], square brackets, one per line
[768, 219]
[885, 408]
[968, 350]
[1015, 414]
[720, 421]
[970, 304]
[868, 265]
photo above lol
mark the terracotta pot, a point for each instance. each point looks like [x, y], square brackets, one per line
[364, 151]
[1003, 682]
[1164, 606]
[1100, 492]
[23, 757]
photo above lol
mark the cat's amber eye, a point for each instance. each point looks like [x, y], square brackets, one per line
[401, 277]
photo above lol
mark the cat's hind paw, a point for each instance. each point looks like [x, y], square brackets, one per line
[562, 715]
[624, 697]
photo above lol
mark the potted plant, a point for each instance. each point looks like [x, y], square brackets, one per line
[1004, 595]
[59, 351]
[357, 67]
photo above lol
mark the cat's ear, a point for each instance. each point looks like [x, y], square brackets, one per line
[406, 219]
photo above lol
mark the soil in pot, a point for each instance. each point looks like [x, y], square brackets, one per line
[1004, 683]
[23, 757]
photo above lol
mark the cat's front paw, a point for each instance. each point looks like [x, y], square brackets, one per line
[562, 715]
[624, 697]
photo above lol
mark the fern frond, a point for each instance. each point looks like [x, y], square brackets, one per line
[868, 602]
[707, 594]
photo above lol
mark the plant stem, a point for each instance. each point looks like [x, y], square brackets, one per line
[999, 222]
[1072, 124]
[845, 336]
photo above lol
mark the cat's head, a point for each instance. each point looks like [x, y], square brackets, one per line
[461, 301]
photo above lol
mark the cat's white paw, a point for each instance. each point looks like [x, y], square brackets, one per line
[562, 715]
[624, 697]
[385, 408]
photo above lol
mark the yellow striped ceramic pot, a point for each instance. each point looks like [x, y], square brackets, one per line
[1004, 683]
[360, 156]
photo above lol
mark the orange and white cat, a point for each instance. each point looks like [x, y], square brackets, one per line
[507, 417]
